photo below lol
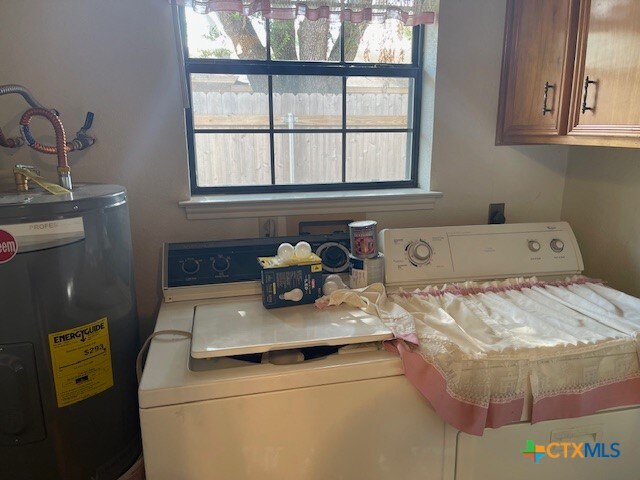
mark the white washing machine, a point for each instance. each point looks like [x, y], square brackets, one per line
[231, 404]
[347, 415]
[228, 405]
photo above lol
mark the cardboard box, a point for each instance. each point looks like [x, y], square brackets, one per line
[365, 271]
[293, 283]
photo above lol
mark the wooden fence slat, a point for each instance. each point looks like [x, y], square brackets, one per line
[244, 159]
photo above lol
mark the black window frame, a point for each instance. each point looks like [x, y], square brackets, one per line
[341, 69]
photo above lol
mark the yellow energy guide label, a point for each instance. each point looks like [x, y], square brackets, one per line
[81, 362]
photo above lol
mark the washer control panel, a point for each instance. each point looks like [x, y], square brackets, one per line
[229, 261]
[440, 254]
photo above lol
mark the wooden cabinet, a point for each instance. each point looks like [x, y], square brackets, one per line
[609, 55]
[536, 72]
[571, 73]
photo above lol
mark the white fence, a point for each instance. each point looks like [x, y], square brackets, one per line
[244, 159]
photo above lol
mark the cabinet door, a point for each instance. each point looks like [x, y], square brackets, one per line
[537, 66]
[609, 56]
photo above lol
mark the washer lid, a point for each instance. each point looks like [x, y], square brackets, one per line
[244, 326]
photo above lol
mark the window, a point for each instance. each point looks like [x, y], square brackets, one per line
[296, 105]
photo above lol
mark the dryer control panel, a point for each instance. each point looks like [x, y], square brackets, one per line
[442, 254]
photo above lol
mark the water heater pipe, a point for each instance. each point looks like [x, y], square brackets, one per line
[82, 140]
[20, 90]
[16, 142]
[61, 148]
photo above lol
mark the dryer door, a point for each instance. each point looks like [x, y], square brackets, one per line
[609, 449]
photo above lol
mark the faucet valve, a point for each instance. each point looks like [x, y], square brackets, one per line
[22, 180]
[83, 140]
[23, 173]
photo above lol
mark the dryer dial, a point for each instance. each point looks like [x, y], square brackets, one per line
[557, 245]
[419, 252]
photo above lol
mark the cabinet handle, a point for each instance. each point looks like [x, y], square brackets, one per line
[587, 82]
[547, 86]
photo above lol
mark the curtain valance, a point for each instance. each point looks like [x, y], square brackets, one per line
[410, 12]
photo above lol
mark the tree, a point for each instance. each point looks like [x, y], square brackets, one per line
[313, 44]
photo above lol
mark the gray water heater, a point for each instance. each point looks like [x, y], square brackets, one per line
[68, 336]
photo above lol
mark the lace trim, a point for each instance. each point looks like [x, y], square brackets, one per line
[464, 289]
[583, 388]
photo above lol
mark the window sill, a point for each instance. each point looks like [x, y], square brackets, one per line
[208, 207]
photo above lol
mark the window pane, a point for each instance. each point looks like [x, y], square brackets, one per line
[388, 42]
[301, 101]
[226, 35]
[224, 159]
[228, 101]
[308, 158]
[303, 123]
[378, 102]
[303, 39]
[376, 157]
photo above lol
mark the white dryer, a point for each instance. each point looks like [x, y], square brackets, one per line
[230, 404]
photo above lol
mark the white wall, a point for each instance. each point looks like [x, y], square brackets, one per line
[466, 165]
[117, 58]
[601, 202]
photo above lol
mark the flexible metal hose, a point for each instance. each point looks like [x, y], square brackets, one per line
[20, 90]
[26, 94]
[81, 141]
[61, 144]
[64, 172]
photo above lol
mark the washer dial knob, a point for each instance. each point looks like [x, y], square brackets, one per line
[419, 252]
[335, 257]
[220, 264]
[190, 266]
[557, 245]
[534, 245]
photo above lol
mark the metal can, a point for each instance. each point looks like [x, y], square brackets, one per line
[363, 239]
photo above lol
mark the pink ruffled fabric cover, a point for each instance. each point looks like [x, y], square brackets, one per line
[410, 12]
[476, 351]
